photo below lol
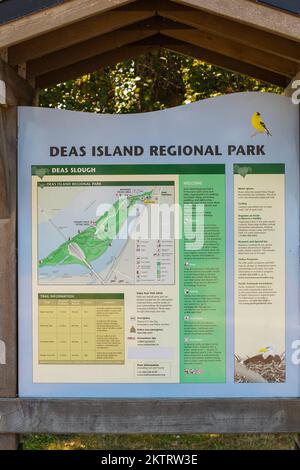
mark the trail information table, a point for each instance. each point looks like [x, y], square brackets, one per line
[81, 329]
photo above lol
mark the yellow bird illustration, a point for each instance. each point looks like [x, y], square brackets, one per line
[259, 125]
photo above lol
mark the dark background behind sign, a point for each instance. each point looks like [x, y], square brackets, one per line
[12, 9]
[290, 5]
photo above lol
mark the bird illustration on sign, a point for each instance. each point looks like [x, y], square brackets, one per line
[266, 355]
[259, 125]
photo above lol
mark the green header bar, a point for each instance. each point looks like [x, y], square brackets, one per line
[259, 169]
[75, 170]
[105, 183]
[81, 296]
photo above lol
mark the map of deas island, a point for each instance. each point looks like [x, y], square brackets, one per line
[88, 233]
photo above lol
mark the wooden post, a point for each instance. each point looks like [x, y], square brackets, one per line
[8, 293]
[9, 441]
[17, 91]
[289, 89]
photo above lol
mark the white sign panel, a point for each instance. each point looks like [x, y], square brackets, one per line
[158, 253]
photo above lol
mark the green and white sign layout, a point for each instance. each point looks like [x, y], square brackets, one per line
[160, 251]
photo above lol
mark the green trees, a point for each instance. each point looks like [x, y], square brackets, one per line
[153, 81]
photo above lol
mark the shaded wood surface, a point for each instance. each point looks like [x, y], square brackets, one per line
[153, 43]
[241, 33]
[52, 54]
[245, 12]
[18, 92]
[13, 9]
[99, 45]
[95, 63]
[149, 416]
[78, 32]
[230, 48]
[56, 17]
[8, 291]
[251, 14]
[9, 441]
[228, 63]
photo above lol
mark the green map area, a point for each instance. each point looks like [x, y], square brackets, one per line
[91, 243]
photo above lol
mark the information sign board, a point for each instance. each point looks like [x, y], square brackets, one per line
[159, 252]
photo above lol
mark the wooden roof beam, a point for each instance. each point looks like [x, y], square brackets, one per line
[236, 31]
[98, 62]
[227, 63]
[236, 51]
[252, 14]
[79, 31]
[99, 45]
[18, 91]
[53, 18]
[153, 43]
[293, 86]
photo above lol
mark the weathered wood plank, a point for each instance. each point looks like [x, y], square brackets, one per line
[251, 14]
[99, 45]
[94, 63]
[152, 43]
[238, 32]
[78, 32]
[18, 90]
[227, 63]
[234, 50]
[85, 51]
[289, 89]
[48, 20]
[8, 294]
[9, 441]
[149, 416]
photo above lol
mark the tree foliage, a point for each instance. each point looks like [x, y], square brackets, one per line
[151, 82]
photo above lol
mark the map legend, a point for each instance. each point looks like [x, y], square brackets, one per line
[155, 262]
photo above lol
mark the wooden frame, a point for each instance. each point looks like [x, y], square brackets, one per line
[18, 92]
[241, 33]
[49, 20]
[154, 42]
[182, 416]
[238, 35]
[99, 45]
[229, 48]
[98, 62]
[227, 63]
[78, 32]
[252, 14]
[242, 11]
[221, 29]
